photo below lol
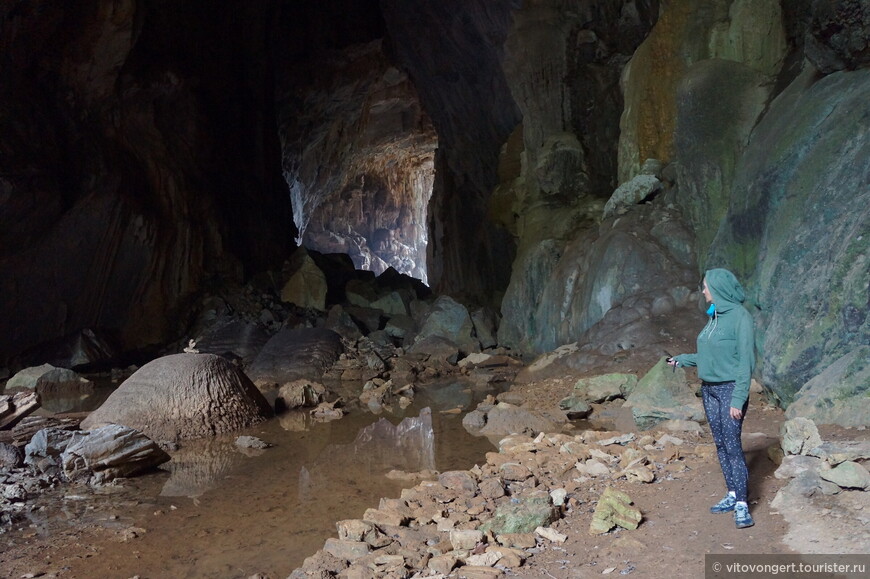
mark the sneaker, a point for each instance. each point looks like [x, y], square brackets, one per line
[742, 518]
[726, 505]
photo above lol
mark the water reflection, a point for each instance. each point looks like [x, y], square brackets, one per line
[377, 449]
[199, 466]
[266, 513]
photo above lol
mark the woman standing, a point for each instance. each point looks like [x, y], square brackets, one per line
[725, 360]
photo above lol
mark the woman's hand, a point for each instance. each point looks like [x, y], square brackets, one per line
[736, 413]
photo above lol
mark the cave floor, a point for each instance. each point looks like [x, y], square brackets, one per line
[239, 528]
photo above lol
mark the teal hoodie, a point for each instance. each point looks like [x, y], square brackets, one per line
[726, 345]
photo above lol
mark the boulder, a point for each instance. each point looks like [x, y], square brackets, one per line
[299, 393]
[234, 338]
[663, 394]
[183, 396]
[109, 452]
[48, 378]
[306, 286]
[606, 387]
[799, 436]
[450, 320]
[294, 354]
[504, 419]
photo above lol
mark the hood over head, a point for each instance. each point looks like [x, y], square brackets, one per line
[725, 289]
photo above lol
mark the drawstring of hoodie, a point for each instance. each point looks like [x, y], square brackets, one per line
[710, 328]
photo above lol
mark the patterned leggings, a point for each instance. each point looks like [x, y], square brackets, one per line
[726, 435]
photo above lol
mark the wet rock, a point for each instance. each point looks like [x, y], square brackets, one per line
[614, 509]
[251, 442]
[112, 451]
[10, 456]
[298, 394]
[799, 436]
[183, 396]
[13, 409]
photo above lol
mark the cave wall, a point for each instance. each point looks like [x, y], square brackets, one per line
[137, 159]
[453, 51]
[756, 114]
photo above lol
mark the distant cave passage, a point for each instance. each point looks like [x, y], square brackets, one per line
[378, 218]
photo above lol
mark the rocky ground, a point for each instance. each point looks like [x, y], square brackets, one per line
[674, 534]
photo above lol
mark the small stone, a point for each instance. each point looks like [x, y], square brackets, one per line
[465, 540]
[551, 534]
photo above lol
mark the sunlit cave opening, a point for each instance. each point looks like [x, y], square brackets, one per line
[378, 219]
[358, 157]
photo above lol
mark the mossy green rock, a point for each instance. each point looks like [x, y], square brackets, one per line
[605, 387]
[663, 394]
[614, 509]
[523, 516]
[840, 394]
[797, 228]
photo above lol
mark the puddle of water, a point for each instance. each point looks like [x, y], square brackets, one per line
[224, 512]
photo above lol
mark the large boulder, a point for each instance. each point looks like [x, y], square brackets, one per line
[183, 396]
[295, 354]
[47, 378]
[306, 286]
[450, 320]
[663, 394]
[234, 338]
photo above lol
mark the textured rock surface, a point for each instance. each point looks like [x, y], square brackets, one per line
[122, 183]
[797, 227]
[840, 394]
[294, 354]
[183, 396]
[363, 120]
